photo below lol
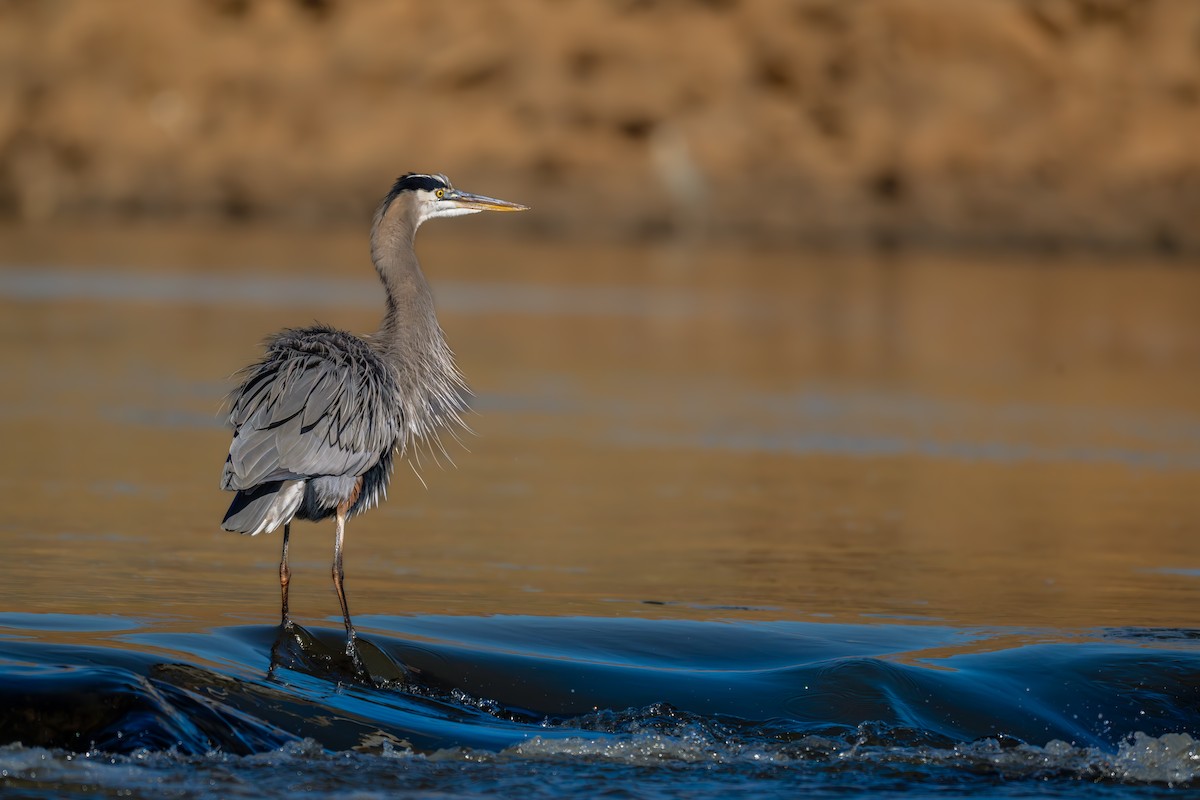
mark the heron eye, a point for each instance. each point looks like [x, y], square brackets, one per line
[440, 193]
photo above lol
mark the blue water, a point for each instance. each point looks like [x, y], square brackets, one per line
[549, 707]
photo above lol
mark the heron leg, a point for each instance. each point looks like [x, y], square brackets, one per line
[285, 576]
[339, 576]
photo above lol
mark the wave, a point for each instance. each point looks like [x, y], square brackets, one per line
[129, 704]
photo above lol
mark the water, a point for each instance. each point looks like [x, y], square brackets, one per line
[765, 523]
[627, 706]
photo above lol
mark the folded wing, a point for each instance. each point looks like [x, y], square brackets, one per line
[320, 403]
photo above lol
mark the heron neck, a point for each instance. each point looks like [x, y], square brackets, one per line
[409, 336]
[410, 323]
[430, 387]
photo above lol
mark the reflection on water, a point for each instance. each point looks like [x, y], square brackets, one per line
[661, 435]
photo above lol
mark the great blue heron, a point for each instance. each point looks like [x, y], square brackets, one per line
[317, 422]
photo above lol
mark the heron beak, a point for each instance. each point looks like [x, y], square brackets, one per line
[478, 202]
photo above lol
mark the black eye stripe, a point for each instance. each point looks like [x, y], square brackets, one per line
[413, 181]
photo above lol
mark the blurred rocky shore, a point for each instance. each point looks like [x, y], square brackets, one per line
[979, 123]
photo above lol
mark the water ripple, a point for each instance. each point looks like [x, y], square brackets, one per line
[717, 705]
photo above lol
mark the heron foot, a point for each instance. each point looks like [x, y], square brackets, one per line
[356, 659]
[289, 643]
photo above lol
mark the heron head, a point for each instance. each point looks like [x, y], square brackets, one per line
[433, 196]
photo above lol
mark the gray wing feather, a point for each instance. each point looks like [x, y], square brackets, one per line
[320, 403]
[299, 391]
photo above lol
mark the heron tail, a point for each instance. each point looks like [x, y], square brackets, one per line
[264, 508]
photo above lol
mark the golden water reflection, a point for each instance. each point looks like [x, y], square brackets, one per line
[659, 432]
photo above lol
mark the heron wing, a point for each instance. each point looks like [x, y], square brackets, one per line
[318, 404]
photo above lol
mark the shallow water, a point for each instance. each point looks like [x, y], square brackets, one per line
[764, 522]
[545, 706]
